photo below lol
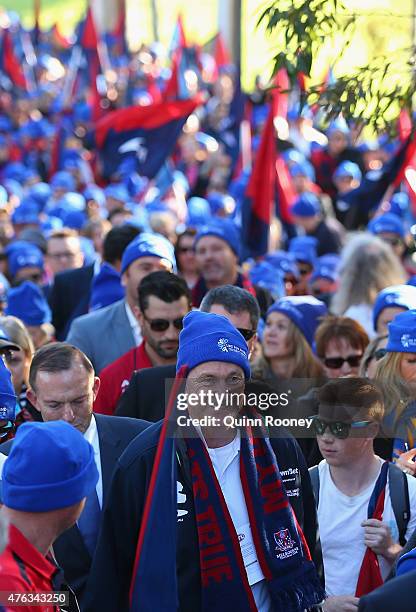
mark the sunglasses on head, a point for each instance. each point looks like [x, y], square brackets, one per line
[335, 363]
[338, 429]
[161, 325]
[246, 333]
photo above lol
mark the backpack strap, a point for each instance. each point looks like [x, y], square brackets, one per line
[314, 475]
[399, 495]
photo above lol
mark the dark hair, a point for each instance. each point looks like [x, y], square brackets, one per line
[334, 327]
[57, 357]
[189, 232]
[117, 240]
[166, 286]
[234, 299]
[118, 211]
[350, 399]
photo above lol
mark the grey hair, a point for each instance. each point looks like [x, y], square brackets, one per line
[233, 299]
[368, 265]
[4, 531]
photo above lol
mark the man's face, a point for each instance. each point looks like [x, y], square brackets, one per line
[385, 317]
[140, 268]
[340, 453]
[215, 260]
[240, 320]
[64, 254]
[67, 395]
[29, 273]
[164, 343]
[306, 223]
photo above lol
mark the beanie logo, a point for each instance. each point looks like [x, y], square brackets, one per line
[391, 298]
[223, 345]
[407, 341]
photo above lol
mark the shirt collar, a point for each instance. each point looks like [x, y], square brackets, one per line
[91, 433]
[30, 556]
[132, 319]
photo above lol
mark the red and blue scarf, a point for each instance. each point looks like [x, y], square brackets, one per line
[281, 549]
[370, 577]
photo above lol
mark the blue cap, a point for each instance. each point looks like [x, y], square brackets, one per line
[26, 212]
[40, 193]
[117, 191]
[199, 212]
[402, 333]
[106, 287]
[93, 192]
[284, 262]
[28, 303]
[210, 337]
[304, 248]
[387, 223]
[75, 219]
[63, 180]
[397, 296]
[224, 229]
[26, 257]
[304, 311]
[303, 169]
[327, 268]
[265, 275]
[348, 168]
[148, 245]
[307, 205]
[399, 204]
[50, 466]
[220, 202]
[7, 395]
[16, 171]
[338, 125]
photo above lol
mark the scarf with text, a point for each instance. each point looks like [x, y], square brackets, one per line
[281, 548]
[369, 577]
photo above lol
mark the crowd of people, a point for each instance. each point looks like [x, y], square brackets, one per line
[121, 292]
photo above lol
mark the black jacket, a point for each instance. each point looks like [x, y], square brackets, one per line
[70, 551]
[111, 572]
[396, 594]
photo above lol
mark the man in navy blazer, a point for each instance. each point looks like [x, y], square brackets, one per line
[106, 334]
[63, 386]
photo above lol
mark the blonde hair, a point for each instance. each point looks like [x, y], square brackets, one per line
[305, 364]
[368, 265]
[397, 393]
[17, 333]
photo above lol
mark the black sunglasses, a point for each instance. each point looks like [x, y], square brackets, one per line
[393, 241]
[246, 333]
[161, 325]
[335, 363]
[338, 429]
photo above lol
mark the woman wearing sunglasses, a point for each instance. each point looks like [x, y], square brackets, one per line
[340, 345]
[288, 336]
[396, 373]
[185, 257]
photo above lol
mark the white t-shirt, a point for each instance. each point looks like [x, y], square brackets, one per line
[226, 464]
[342, 537]
[363, 314]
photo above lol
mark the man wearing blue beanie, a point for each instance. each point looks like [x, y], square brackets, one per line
[28, 303]
[389, 303]
[390, 228]
[216, 465]
[307, 215]
[46, 478]
[217, 253]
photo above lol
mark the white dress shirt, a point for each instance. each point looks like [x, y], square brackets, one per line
[134, 324]
[91, 436]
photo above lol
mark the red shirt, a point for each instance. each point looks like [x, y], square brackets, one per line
[23, 569]
[116, 377]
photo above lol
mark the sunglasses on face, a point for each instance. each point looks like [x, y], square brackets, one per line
[335, 363]
[161, 325]
[6, 429]
[379, 354]
[246, 333]
[393, 241]
[338, 429]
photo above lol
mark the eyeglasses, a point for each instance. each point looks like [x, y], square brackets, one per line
[338, 429]
[246, 333]
[335, 363]
[6, 429]
[304, 271]
[65, 255]
[393, 241]
[161, 325]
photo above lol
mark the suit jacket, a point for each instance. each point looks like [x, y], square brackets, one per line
[69, 297]
[147, 395]
[103, 335]
[396, 594]
[114, 434]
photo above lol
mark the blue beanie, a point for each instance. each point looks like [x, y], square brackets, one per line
[63, 180]
[304, 311]
[210, 337]
[307, 205]
[106, 287]
[26, 212]
[388, 222]
[327, 268]
[402, 333]
[399, 204]
[348, 168]
[224, 229]
[265, 275]
[28, 303]
[148, 245]
[304, 248]
[397, 296]
[221, 202]
[284, 262]
[50, 466]
[117, 191]
[199, 212]
[7, 394]
[93, 192]
[26, 257]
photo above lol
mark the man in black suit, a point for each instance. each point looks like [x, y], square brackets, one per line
[70, 294]
[396, 594]
[63, 387]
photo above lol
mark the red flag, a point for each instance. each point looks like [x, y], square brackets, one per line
[280, 93]
[89, 38]
[11, 65]
[221, 54]
[286, 193]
